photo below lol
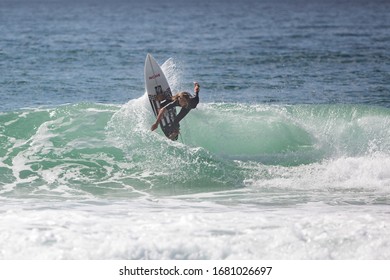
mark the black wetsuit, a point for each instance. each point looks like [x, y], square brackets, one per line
[193, 102]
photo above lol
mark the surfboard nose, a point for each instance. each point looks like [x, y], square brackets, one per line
[149, 57]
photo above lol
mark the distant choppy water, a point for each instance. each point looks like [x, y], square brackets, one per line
[287, 156]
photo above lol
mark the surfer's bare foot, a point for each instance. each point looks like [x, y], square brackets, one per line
[160, 97]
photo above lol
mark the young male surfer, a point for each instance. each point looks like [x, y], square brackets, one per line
[182, 99]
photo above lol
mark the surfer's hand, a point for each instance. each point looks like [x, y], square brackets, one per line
[196, 87]
[154, 126]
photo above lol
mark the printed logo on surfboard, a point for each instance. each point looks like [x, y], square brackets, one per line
[154, 76]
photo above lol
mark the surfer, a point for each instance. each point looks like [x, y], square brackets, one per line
[182, 99]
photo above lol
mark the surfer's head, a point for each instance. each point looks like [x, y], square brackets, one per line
[183, 98]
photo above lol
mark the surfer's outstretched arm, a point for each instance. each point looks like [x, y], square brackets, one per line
[159, 117]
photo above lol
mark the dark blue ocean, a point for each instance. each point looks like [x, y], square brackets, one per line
[286, 157]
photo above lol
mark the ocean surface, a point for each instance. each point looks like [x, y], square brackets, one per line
[286, 157]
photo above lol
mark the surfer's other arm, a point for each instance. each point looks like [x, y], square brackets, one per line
[159, 117]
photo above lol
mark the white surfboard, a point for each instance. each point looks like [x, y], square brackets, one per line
[157, 84]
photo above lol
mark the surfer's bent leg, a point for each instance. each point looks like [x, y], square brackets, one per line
[183, 112]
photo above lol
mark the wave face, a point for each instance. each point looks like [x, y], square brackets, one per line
[290, 135]
[85, 149]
